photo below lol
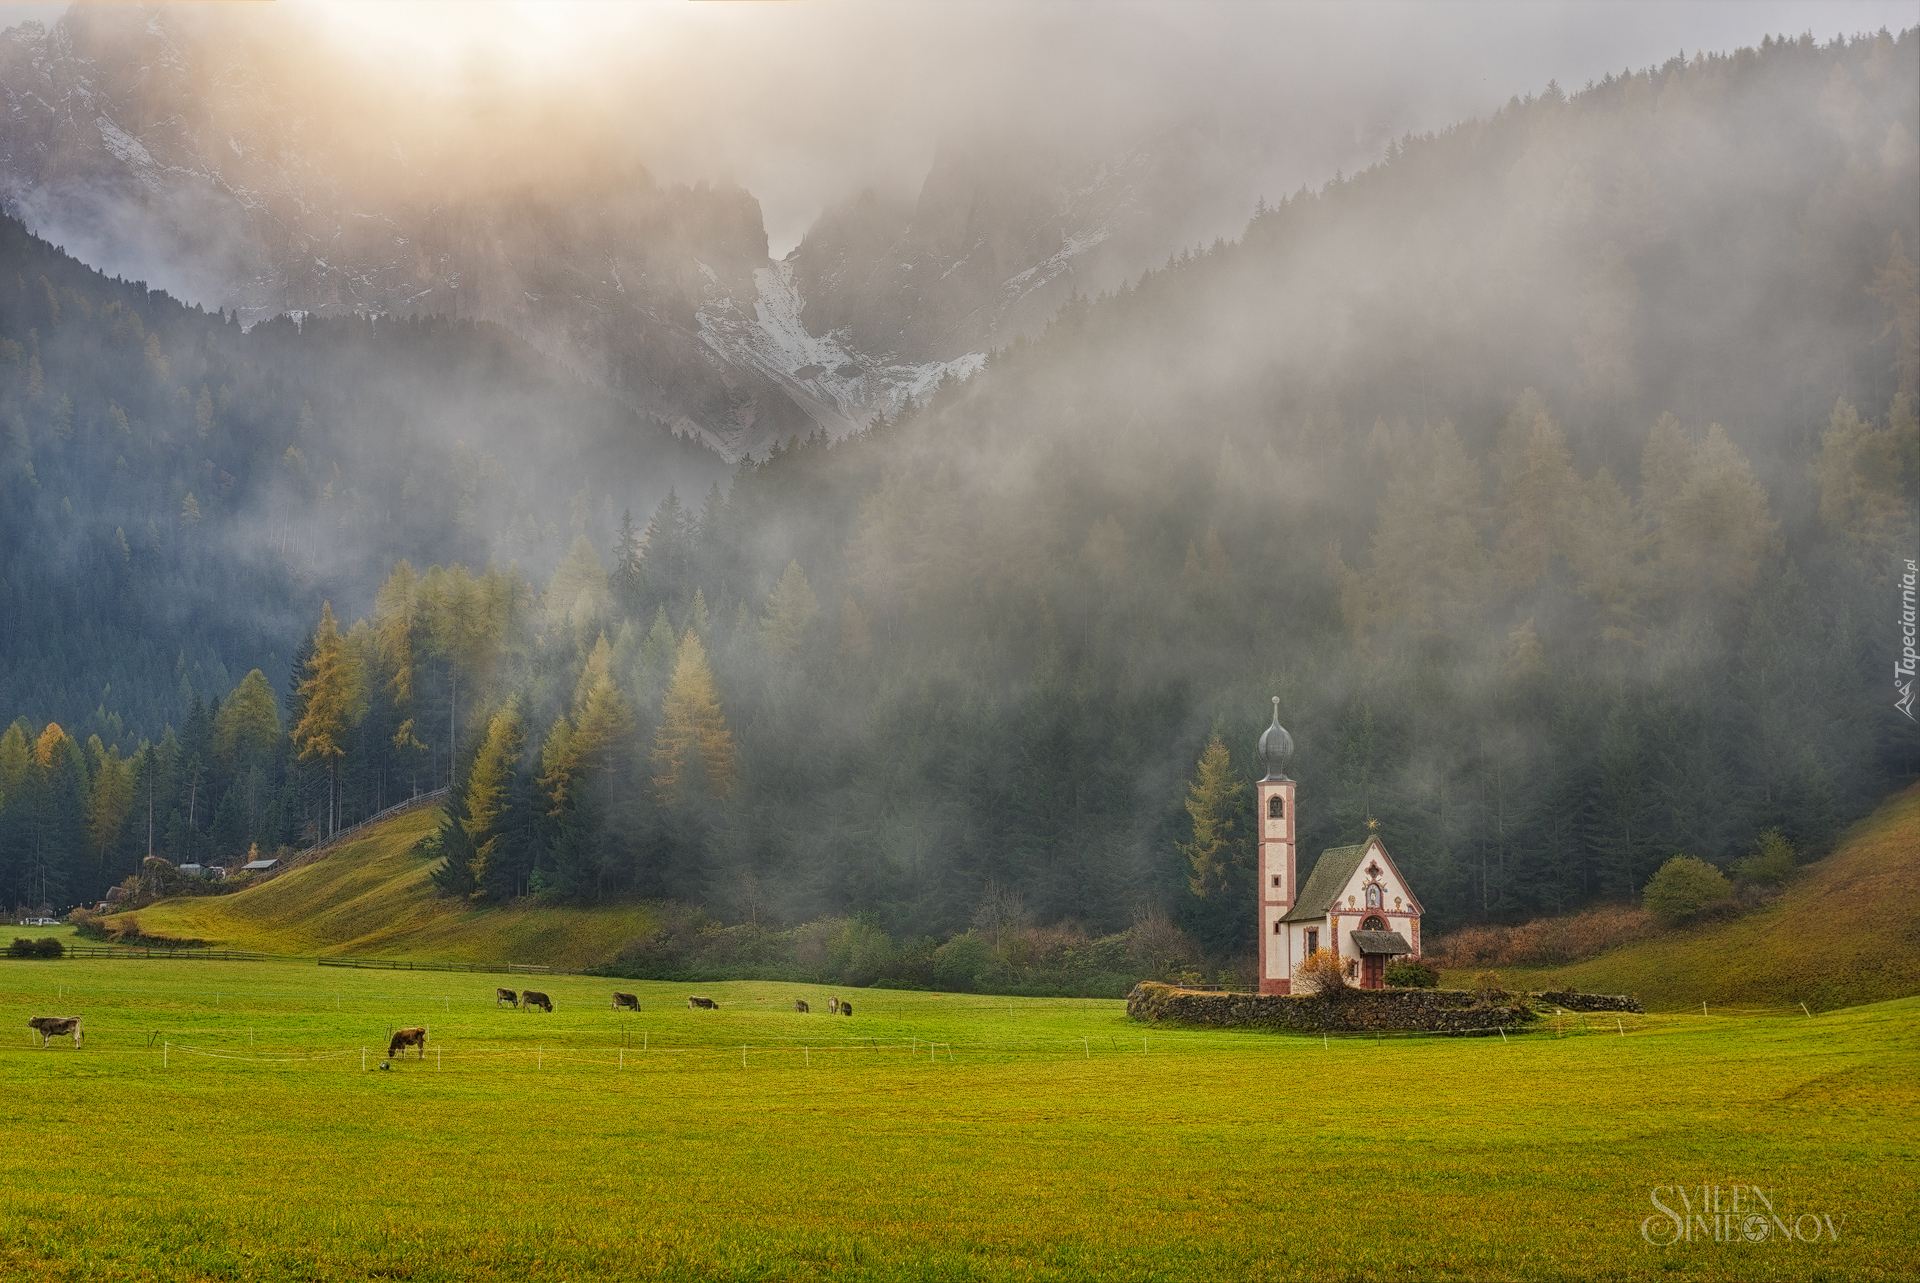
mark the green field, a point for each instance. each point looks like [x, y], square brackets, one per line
[924, 1137]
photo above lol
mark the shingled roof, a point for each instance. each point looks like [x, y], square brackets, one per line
[1381, 942]
[1323, 887]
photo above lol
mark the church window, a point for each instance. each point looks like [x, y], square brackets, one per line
[1276, 879]
[1373, 897]
[1276, 807]
[1375, 923]
[1313, 941]
[1276, 926]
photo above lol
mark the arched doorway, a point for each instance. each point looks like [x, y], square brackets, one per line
[1373, 966]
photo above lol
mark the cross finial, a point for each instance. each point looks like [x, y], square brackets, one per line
[1276, 708]
[1372, 824]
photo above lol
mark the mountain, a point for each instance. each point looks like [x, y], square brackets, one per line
[1555, 472]
[167, 145]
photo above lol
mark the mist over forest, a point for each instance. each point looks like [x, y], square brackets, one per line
[1556, 470]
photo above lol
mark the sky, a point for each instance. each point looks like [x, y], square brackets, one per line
[805, 103]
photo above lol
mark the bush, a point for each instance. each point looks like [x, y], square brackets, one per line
[964, 962]
[1321, 973]
[48, 947]
[1406, 973]
[1684, 886]
[1773, 859]
[1486, 988]
[22, 948]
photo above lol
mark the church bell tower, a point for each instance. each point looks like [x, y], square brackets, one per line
[1273, 796]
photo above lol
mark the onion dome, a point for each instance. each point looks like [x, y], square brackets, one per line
[1276, 746]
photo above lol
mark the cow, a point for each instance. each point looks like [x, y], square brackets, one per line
[405, 1038]
[507, 996]
[534, 998]
[50, 1027]
[696, 1003]
[833, 1006]
[800, 1005]
[846, 1009]
[625, 1002]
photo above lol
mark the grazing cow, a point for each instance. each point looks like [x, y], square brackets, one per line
[50, 1027]
[800, 1005]
[534, 998]
[507, 996]
[625, 1001]
[846, 1009]
[702, 1004]
[833, 1006]
[405, 1038]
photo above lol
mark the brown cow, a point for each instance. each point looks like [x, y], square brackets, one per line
[50, 1027]
[800, 1005]
[534, 998]
[507, 996]
[833, 1006]
[846, 1009]
[625, 1001]
[405, 1038]
[696, 1003]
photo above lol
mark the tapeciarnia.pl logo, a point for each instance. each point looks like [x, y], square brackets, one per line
[1903, 667]
[1730, 1214]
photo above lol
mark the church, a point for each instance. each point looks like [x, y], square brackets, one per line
[1355, 904]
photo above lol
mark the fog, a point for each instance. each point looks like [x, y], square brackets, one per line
[804, 104]
[1509, 444]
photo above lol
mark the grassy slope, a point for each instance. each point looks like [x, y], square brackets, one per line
[1847, 931]
[373, 897]
[525, 1148]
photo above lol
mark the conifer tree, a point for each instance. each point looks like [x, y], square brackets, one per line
[1214, 804]
[693, 731]
[327, 695]
[791, 611]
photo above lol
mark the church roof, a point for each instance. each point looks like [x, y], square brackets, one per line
[1323, 886]
[1276, 746]
[1381, 942]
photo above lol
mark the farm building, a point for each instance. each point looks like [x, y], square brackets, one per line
[1356, 904]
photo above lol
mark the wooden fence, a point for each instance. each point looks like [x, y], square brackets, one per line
[147, 951]
[401, 964]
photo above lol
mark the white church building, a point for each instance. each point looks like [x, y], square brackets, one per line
[1356, 904]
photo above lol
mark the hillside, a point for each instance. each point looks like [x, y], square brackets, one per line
[372, 898]
[1846, 932]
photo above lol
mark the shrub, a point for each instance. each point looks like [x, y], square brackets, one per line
[48, 947]
[964, 962]
[1487, 989]
[1321, 973]
[1773, 859]
[1406, 973]
[22, 948]
[1684, 886]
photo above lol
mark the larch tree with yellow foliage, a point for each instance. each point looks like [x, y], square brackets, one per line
[692, 749]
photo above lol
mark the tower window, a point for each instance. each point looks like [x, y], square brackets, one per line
[1276, 926]
[1276, 807]
[1276, 879]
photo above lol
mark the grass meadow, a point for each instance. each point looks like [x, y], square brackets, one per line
[935, 1137]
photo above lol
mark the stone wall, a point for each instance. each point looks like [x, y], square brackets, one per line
[1349, 1011]
[1572, 1001]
